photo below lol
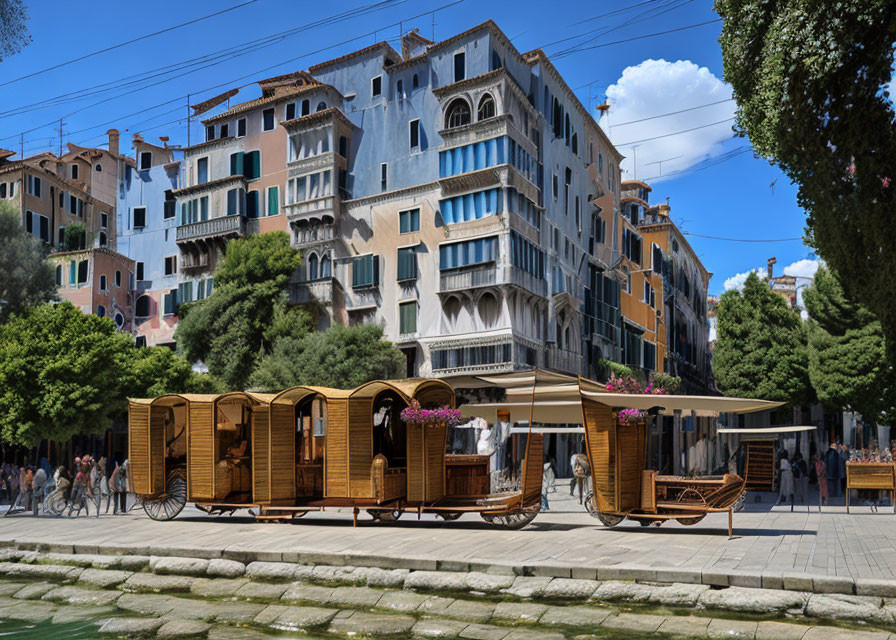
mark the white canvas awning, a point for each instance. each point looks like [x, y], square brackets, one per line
[771, 431]
[546, 412]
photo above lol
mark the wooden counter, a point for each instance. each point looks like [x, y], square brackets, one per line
[879, 476]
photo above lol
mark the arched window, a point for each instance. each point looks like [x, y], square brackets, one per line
[141, 308]
[575, 143]
[312, 267]
[399, 88]
[58, 275]
[306, 107]
[99, 167]
[458, 114]
[119, 320]
[415, 82]
[321, 106]
[488, 311]
[566, 128]
[101, 311]
[102, 239]
[343, 146]
[325, 267]
[452, 313]
[103, 283]
[486, 107]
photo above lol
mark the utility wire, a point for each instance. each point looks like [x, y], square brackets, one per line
[675, 133]
[122, 44]
[611, 13]
[641, 37]
[725, 157]
[672, 113]
[697, 235]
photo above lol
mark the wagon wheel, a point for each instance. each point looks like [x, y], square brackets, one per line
[385, 516]
[170, 503]
[688, 522]
[450, 515]
[513, 520]
[607, 519]
[691, 495]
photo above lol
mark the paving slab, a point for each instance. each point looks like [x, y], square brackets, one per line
[726, 629]
[636, 623]
[373, 624]
[291, 618]
[401, 600]
[438, 628]
[689, 626]
[81, 596]
[183, 629]
[575, 616]
[484, 632]
[103, 578]
[130, 626]
[769, 630]
[217, 587]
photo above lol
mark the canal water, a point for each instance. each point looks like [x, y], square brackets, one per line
[46, 630]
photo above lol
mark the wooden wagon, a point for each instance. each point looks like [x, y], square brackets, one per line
[879, 476]
[622, 486]
[308, 448]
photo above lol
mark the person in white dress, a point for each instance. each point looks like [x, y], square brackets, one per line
[786, 483]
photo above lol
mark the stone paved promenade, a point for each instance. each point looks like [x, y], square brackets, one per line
[771, 546]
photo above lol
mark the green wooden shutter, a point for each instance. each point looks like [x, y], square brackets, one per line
[407, 264]
[407, 312]
[273, 201]
[236, 163]
[72, 272]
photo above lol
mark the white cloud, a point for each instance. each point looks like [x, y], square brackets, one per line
[803, 269]
[737, 281]
[656, 87]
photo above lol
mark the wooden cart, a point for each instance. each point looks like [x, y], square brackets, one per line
[879, 476]
[309, 448]
[624, 488]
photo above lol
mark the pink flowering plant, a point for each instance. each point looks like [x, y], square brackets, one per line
[630, 416]
[444, 415]
[625, 384]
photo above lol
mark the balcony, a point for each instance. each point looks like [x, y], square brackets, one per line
[356, 299]
[564, 361]
[188, 262]
[311, 234]
[215, 228]
[323, 209]
[318, 291]
[481, 275]
[527, 281]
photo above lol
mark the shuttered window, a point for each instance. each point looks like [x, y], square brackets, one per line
[252, 204]
[407, 264]
[407, 317]
[273, 201]
[236, 163]
[409, 221]
[252, 165]
[365, 271]
[462, 254]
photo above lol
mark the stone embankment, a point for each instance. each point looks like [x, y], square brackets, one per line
[170, 597]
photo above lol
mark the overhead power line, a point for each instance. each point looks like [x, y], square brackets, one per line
[697, 235]
[725, 157]
[123, 44]
[672, 113]
[675, 133]
[612, 13]
[641, 37]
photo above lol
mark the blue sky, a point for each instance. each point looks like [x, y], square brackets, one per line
[741, 197]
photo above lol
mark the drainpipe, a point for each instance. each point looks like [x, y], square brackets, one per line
[676, 442]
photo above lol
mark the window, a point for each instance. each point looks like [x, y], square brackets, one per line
[225, 131]
[468, 252]
[343, 146]
[142, 307]
[649, 294]
[103, 283]
[145, 160]
[407, 317]
[290, 111]
[202, 171]
[415, 82]
[365, 271]
[170, 265]
[252, 204]
[415, 134]
[58, 275]
[169, 209]
[101, 311]
[555, 190]
[575, 143]
[104, 220]
[72, 273]
[325, 267]
[237, 163]
[399, 89]
[252, 165]
[210, 133]
[139, 271]
[2, 189]
[376, 86]
[273, 201]
[409, 221]
[118, 278]
[460, 66]
[407, 264]
[384, 176]
[170, 302]
[99, 167]
[32, 185]
[240, 127]
[102, 239]
[657, 264]
[486, 107]
[82, 272]
[457, 114]
[267, 119]
[496, 61]
[313, 267]
[74, 172]
[321, 106]
[139, 217]
[306, 107]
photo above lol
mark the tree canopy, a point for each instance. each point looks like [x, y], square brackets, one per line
[63, 372]
[13, 31]
[847, 363]
[235, 326]
[26, 278]
[761, 347]
[340, 357]
[811, 83]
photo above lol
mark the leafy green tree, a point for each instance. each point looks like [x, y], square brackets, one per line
[26, 278]
[340, 357]
[847, 357]
[231, 329]
[62, 372]
[761, 348]
[13, 32]
[155, 371]
[811, 82]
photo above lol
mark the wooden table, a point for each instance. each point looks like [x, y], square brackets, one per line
[871, 475]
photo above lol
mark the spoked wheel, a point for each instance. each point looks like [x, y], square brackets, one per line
[609, 519]
[385, 516]
[688, 522]
[170, 503]
[513, 520]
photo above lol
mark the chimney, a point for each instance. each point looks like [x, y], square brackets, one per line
[113, 141]
[771, 266]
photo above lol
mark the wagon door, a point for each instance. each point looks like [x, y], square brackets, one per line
[261, 455]
[600, 441]
[140, 449]
[201, 451]
[282, 461]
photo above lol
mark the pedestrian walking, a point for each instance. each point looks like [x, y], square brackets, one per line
[832, 470]
[100, 485]
[547, 483]
[800, 478]
[786, 480]
[80, 487]
[580, 471]
[37, 489]
[822, 481]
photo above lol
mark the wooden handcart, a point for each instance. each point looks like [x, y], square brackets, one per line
[880, 476]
